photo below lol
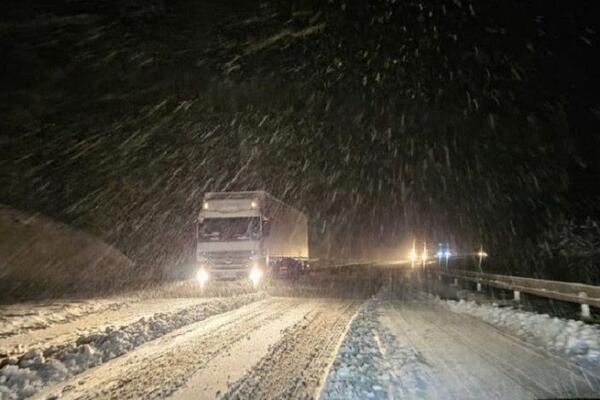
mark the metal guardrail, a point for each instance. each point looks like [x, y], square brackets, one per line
[579, 293]
[586, 295]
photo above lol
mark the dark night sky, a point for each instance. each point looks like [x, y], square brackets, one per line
[445, 119]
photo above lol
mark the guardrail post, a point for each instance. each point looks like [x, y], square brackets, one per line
[479, 286]
[455, 282]
[585, 308]
[517, 295]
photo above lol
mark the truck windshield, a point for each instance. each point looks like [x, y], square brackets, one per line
[220, 229]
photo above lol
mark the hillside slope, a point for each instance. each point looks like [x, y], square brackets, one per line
[41, 257]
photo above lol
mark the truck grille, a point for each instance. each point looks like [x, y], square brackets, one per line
[229, 260]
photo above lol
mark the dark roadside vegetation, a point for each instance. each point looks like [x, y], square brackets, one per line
[462, 121]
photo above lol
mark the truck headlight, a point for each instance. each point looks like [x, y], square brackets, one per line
[202, 276]
[255, 275]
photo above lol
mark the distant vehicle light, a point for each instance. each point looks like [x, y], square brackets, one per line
[255, 275]
[424, 253]
[253, 204]
[202, 276]
[482, 254]
[413, 255]
[205, 205]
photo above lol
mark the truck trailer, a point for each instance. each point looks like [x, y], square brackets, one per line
[247, 235]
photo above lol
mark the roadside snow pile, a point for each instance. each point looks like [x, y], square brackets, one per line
[575, 339]
[25, 376]
[371, 365]
[16, 319]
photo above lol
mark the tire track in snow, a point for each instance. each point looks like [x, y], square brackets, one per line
[41, 367]
[479, 361]
[295, 365]
[510, 361]
[159, 368]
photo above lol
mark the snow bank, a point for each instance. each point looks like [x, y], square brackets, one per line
[575, 339]
[37, 368]
[371, 365]
[16, 319]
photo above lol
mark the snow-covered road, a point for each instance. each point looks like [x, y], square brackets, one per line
[415, 349]
[464, 358]
[286, 344]
[32, 325]
[399, 343]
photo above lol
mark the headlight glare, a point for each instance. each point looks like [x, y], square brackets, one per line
[255, 275]
[202, 276]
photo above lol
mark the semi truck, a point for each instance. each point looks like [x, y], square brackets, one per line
[248, 235]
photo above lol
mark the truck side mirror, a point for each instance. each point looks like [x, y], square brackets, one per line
[266, 227]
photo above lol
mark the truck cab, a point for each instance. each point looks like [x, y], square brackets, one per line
[242, 235]
[229, 236]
